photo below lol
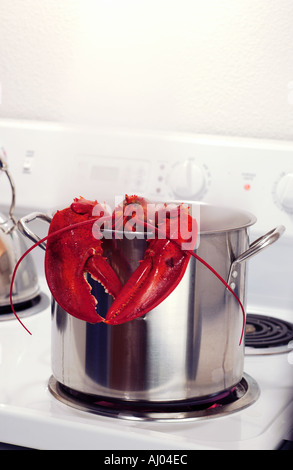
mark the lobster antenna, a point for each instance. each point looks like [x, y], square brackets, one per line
[13, 278]
[144, 224]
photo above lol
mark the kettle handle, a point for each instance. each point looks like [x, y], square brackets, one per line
[254, 248]
[4, 226]
[23, 228]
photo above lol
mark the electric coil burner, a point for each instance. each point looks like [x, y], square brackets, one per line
[267, 335]
[237, 398]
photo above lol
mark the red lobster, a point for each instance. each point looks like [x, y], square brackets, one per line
[74, 248]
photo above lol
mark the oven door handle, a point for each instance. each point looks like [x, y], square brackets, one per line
[22, 225]
[254, 248]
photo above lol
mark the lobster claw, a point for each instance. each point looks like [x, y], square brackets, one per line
[155, 278]
[69, 258]
[159, 273]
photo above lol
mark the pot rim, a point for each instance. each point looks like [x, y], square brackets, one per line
[232, 213]
[230, 224]
[245, 220]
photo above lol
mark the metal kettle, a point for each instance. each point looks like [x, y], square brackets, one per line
[12, 247]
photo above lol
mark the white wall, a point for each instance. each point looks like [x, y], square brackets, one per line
[208, 66]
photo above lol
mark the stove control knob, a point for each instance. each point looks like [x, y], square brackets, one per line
[284, 192]
[187, 180]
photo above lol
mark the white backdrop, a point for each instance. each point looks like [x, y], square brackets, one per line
[202, 66]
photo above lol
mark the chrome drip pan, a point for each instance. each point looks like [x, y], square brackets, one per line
[244, 394]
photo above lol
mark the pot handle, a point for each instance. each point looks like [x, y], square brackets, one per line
[23, 228]
[254, 248]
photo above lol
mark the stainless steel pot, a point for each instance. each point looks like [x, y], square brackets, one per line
[12, 247]
[188, 346]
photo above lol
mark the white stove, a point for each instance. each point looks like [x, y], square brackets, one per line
[51, 164]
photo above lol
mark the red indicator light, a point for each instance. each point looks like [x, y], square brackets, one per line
[247, 187]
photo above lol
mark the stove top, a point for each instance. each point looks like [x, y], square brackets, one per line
[27, 402]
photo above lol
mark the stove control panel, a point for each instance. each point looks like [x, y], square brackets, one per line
[53, 163]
